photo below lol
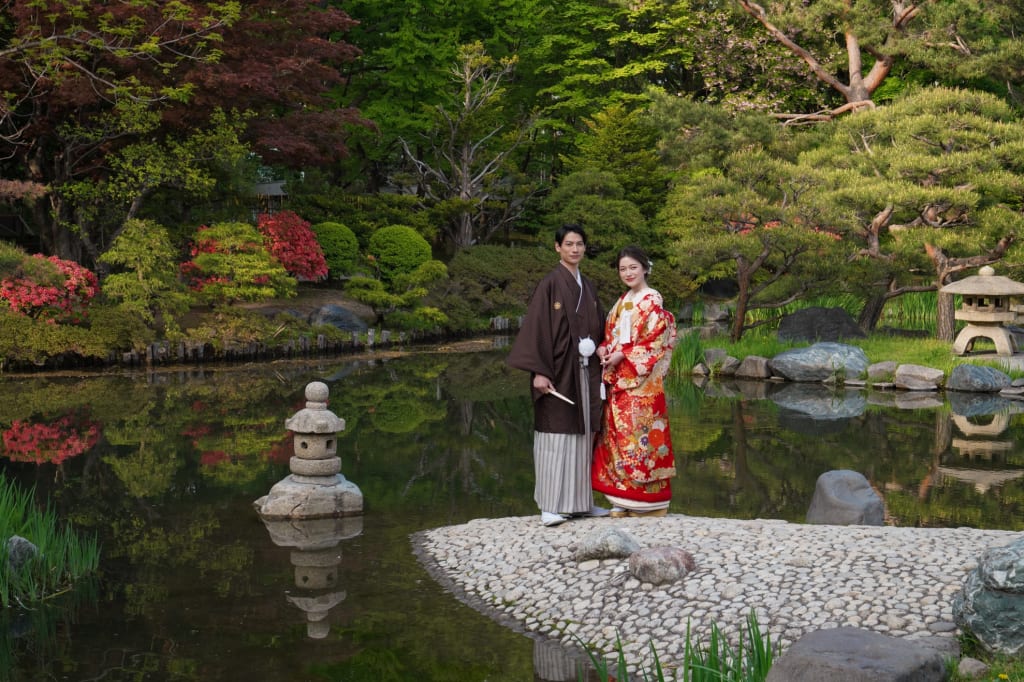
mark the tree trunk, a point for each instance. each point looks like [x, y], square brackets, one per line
[739, 315]
[945, 323]
[871, 313]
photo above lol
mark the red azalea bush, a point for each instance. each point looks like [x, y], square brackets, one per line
[53, 442]
[292, 241]
[52, 289]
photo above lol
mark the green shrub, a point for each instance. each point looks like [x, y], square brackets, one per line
[230, 263]
[340, 247]
[397, 249]
[145, 280]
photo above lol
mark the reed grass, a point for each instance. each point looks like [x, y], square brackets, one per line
[63, 555]
[713, 661]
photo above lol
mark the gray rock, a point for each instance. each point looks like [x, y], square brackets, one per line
[855, 655]
[714, 356]
[845, 498]
[971, 668]
[918, 378]
[819, 324]
[753, 367]
[990, 605]
[820, 402]
[820, 362]
[729, 366]
[606, 543]
[660, 565]
[19, 552]
[717, 312]
[338, 316]
[977, 379]
[882, 371]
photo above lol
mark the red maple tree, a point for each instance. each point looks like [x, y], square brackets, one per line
[293, 243]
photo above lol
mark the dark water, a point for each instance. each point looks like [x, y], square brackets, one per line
[164, 468]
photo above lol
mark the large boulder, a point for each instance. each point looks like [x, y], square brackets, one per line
[855, 655]
[819, 324]
[990, 605]
[845, 498]
[338, 316]
[977, 379]
[820, 362]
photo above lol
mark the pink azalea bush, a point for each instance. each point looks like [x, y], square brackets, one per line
[63, 296]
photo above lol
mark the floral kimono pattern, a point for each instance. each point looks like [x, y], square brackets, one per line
[634, 459]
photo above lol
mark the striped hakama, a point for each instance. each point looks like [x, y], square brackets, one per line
[561, 463]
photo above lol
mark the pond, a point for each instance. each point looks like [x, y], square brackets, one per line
[165, 467]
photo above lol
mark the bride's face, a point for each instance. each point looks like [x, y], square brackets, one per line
[631, 272]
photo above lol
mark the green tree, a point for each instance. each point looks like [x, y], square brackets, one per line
[751, 222]
[951, 41]
[926, 188]
[146, 282]
[623, 142]
[596, 200]
[404, 72]
[78, 68]
[467, 171]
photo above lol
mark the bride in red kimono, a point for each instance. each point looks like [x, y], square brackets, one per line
[633, 461]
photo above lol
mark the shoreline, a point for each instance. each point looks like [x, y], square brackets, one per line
[796, 578]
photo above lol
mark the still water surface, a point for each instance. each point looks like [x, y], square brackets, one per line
[164, 468]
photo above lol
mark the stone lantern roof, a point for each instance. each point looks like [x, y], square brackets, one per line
[985, 283]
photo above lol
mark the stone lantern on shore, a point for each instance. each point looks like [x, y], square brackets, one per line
[990, 304]
[315, 488]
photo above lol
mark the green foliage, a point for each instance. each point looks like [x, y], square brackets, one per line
[318, 201]
[399, 302]
[114, 328]
[230, 263]
[147, 280]
[624, 143]
[11, 258]
[340, 247]
[753, 222]
[595, 200]
[63, 555]
[688, 352]
[713, 661]
[397, 250]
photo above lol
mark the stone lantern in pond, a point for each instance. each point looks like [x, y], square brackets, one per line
[315, 488]
[990, 303]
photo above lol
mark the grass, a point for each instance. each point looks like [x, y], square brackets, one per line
[1001, 667]
[63, 556]
[713, 661]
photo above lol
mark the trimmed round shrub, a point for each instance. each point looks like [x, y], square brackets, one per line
[398, 249]
[340, 247]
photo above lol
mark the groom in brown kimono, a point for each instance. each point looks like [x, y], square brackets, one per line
[562, 311]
